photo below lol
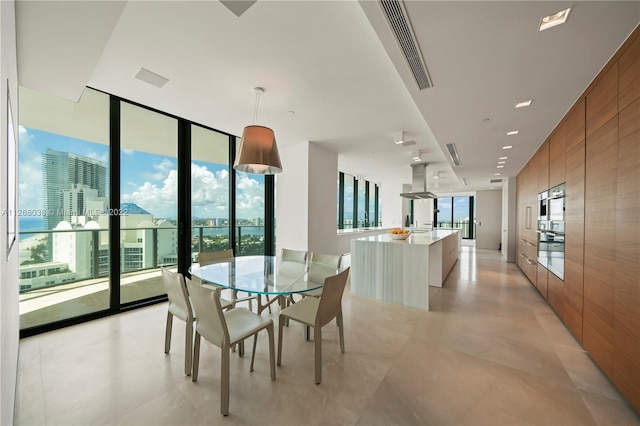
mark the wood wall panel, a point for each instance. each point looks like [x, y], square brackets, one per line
[541, 284]
[557, 156]
[629, 75]
[574, 240]
[555, 291]
[599, 256]
[627, 274]
[602, 101]
[542, 167]
[575, 125]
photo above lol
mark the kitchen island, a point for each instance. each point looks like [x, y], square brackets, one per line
[401, 271]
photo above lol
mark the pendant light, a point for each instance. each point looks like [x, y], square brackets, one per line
[258, 152]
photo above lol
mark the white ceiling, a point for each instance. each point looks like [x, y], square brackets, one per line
[334, 75]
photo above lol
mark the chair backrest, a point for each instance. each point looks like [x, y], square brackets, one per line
[326, 259]
[318, 272]
[298, 256]
[179, 304]
[331, 300]
[293, 263]
[209, 257]
[210, 322]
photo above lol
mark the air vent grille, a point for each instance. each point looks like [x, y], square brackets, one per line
[495, 181]
[453, 153]
[399, 22]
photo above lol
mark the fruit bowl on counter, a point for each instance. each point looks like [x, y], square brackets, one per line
[398, 234]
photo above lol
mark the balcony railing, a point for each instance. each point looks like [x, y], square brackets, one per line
[468, 229]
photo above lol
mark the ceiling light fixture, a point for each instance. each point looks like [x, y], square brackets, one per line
[501, 162]
[398, 138]
[513, 132]
[465, 182]
[503, 158]
[496, 174]
[553, 20]
[507, 147]
[524, 104]
[258, 152]
[499, 167]
[416, 155]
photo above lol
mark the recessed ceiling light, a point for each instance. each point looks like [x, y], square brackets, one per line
[513, 132]
[524, 104]
[499, 167]
[507, 147]
[501, 162]
[555, 19]
[496, 174]
[503, 158]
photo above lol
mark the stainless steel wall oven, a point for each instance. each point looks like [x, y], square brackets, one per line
[551, 209]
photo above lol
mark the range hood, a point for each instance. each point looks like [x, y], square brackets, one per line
[418, 183]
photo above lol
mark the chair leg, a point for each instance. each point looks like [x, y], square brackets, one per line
[253, 354]
[341, 331]
[167, 333]
[188, 348]
[271, 352]
[317, 331]
[224, 382]
[196, 358]
[280, 327]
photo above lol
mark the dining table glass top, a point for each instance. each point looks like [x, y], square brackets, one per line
[264, 275]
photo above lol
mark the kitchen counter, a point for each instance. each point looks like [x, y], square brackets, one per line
[401, 271]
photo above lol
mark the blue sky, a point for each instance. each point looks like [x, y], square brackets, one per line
[146, 179]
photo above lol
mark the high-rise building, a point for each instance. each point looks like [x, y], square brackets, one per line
[64, 172]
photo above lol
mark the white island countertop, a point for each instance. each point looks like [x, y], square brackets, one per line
[426, 237]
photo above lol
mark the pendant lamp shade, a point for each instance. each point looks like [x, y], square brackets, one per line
[258, 152]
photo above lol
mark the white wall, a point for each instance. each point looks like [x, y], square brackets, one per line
[489, 219]
[423, 213]
[306, 199]
[292, 193]
[394, 207]
[323, 200]
[509, 219]
[9, 316]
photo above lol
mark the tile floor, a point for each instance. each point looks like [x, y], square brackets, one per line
[489, 352]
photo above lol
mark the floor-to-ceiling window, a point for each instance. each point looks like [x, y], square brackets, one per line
[63, 157]
[111, 191]
[250, 214]
[210, 226]
[359, 203]
[456, 212]
[348, 201]
[148, 200]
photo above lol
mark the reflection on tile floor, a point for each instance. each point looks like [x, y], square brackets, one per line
[490, 352]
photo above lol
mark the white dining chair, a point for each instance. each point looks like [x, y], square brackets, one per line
[318, 274]
[180, 307]
[224, 329]
[317, 312]
[209, 257]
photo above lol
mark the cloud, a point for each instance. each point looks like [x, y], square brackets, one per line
[29, 171]
[209, 192]
[161, 168]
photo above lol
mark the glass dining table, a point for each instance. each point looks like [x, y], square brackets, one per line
[264, 275]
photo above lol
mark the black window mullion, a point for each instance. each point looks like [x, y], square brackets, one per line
[184, 195]
[232, 195]
[269, 215]
[114, 203]
[376, 205]
[340, 200]
[367, 221]
[355, 203]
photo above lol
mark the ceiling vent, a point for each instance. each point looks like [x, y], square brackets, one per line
[151, 77]
[495, 181]
[399, 21]
[238, 7]
[453, 153]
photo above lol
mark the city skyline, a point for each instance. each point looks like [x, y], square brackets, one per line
[147, 180]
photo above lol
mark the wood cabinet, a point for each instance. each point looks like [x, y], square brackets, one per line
[574, 239]
[541, 160]
[542, 282]
[596, 150]
[528, 255]
[627, 255]
[557, 156]
[629, 72]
